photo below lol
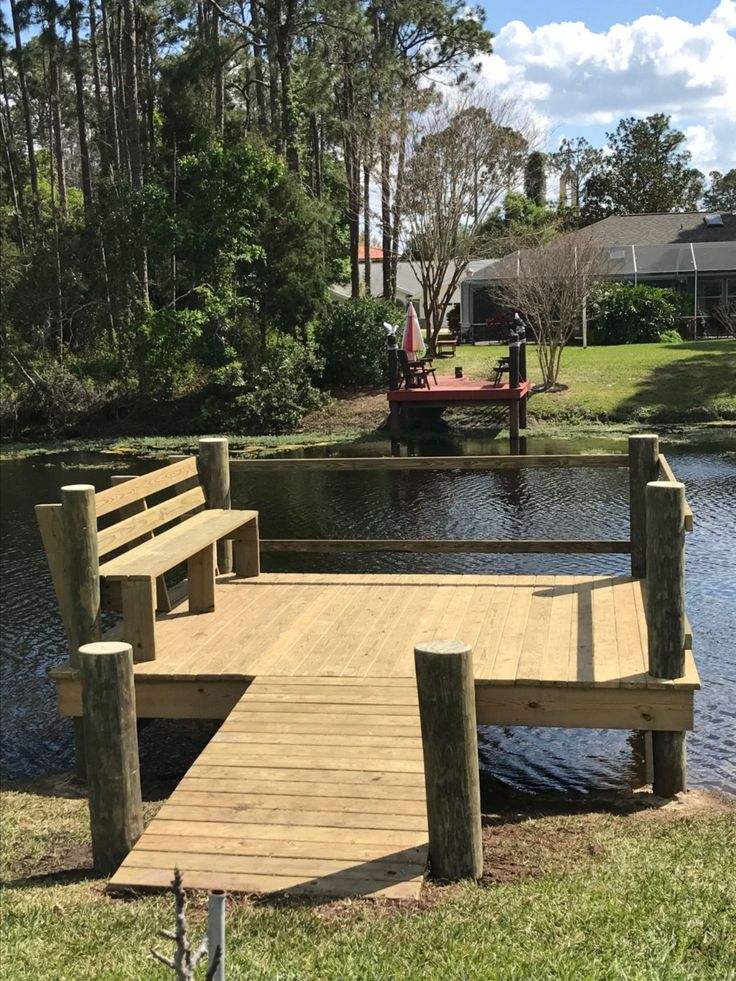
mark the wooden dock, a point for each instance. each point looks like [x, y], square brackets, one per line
[311, 786]
[315, 782]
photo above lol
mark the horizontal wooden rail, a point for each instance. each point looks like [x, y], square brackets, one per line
[565, 546]
[605, 460]
[666, 473]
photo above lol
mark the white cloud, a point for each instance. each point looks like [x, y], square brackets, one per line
[577, 77]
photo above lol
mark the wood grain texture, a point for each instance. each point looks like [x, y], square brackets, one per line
[446, 692]
[500, 462]
[665, 592]
[176, 545]
[438, 546]
[114, 498]
[214, 473]
[111, 744]
[643, 468]
[312, 817]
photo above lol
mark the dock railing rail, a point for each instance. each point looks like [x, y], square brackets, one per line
[643, 460]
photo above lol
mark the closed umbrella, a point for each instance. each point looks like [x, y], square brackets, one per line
[413, 341]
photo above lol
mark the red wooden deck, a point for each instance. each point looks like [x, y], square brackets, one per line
[450, 389]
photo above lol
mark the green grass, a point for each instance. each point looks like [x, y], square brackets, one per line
[638, 894]
[663, 383]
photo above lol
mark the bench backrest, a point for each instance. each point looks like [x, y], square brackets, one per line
[127, 500]
[137, 521]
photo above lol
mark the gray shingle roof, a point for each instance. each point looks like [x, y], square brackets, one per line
[661, 229]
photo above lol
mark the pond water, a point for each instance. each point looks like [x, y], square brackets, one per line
[407, 504]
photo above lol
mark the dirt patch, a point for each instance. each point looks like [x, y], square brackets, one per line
[560, 834]
[364, 411]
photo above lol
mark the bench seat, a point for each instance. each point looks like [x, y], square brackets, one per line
[157, 556]
[194, 541]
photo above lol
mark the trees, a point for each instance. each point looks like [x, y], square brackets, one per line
[462, 157]
[535, 178]
[645, 170]
[574, 161]
[549, 289]
[721, 193]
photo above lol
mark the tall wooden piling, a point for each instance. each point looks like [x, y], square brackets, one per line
[82, 570]
[213, 464]
[665, 602]
[643, 468]
[521, 333]
[446, 690]
[111, 742]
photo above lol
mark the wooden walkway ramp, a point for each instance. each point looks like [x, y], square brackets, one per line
[311, 786]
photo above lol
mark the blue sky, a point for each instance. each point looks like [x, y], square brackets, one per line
[596, 15]
[578, 67]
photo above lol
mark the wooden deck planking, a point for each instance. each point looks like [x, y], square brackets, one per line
[353, 821]
[563, 630]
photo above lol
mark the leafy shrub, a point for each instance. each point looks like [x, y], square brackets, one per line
[352, 341]
[622, 313]
[275, 397]
[670, 337]
[49, 394]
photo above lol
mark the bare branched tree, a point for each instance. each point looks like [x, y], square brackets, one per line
[724, 315]
[185, 961]
[462, 157]
[548, 286]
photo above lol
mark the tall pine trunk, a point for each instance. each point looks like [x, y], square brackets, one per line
[388, 294]
[367, 218]
[111, 123]
[32, 168]
[74, 9]
[255, 18]
[55, 104]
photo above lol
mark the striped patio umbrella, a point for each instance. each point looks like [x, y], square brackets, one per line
[413, 341]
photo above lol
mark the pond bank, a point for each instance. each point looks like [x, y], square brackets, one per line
[572, 887]
[719, 435]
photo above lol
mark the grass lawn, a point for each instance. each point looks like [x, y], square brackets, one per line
[689, 382]
[572, 891]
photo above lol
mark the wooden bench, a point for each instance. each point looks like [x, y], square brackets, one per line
[445, 346]
[145, 542]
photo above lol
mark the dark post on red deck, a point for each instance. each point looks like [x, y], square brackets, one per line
[514, 360]
[521, 333]
[393, 363]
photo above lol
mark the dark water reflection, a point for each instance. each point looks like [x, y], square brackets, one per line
[497, 504]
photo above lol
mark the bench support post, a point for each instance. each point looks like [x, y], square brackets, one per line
[213, 464]
[108, 702]
[79, 523]
[446, 690]
[247, 551]
[665, 598]
[201, 574]
[139, 617]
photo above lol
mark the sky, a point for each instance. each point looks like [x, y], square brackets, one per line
[579, 67]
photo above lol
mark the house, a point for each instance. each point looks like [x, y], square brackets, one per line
[693, 252]
[408, 285]
[375, 253]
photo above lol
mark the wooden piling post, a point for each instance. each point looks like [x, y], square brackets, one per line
[393, 363]
[514, 375]
[82, 568]
[446, 690]
[665, 601]
[213, 464]
[643, 469]
[114, 786]
[521, 333]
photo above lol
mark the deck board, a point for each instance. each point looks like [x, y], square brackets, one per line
[314, 784]
[353, 822]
